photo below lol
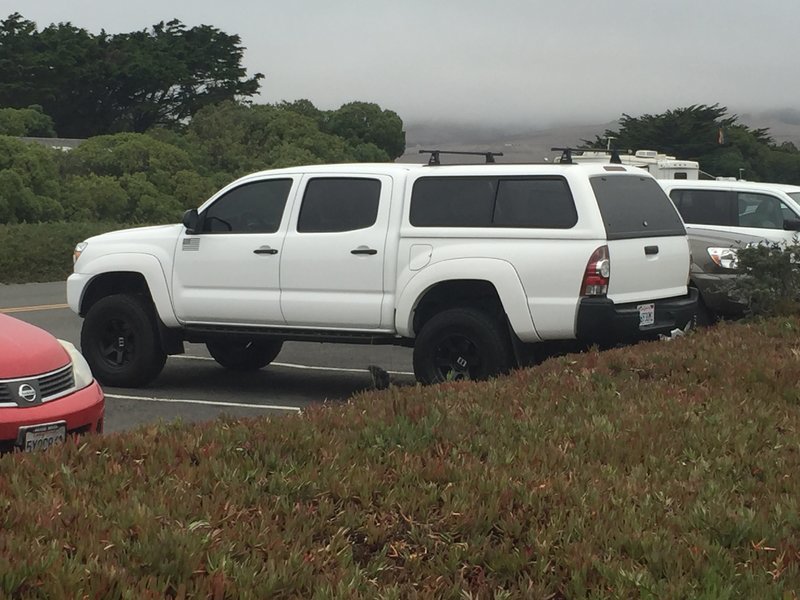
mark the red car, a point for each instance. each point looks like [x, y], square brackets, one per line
[46, 389]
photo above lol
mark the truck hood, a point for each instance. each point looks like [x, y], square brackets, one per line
[138, 234]
[26, 350]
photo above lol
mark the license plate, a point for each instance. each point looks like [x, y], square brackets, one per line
[647, 314]
[41, 437]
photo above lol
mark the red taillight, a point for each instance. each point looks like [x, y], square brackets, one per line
[597, 274]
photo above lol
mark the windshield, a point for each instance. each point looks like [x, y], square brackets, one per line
[795, 196]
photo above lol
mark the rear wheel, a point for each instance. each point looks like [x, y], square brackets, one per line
[120, 341]
[244, 355]
[461, 343]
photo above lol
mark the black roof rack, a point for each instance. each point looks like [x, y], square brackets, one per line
[566, 154]
[434, 159]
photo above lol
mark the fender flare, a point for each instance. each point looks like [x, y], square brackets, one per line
[500, 273]
[145, 265]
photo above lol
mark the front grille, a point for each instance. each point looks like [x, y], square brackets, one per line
[51, 385]
[56, 382]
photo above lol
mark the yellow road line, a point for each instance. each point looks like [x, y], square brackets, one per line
[18, 309]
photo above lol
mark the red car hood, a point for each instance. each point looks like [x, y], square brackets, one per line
[27, 350]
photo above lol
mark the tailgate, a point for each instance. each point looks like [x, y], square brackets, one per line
[647, 244]
[644, 269]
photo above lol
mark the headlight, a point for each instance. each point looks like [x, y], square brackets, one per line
[724, 257]
[79, 248]
[80, 368]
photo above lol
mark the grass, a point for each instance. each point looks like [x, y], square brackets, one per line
[665, 470]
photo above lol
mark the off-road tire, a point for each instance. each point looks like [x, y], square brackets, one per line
[244, 355]
[120, 341]
[461, 343]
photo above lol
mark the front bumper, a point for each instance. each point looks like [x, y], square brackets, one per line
[714, 289]
[602, 322]
[82, 410]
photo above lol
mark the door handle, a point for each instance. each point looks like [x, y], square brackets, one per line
[265, 250]
[648, 250]
[364, 250]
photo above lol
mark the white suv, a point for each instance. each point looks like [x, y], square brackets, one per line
[722, 215]
[472, 265]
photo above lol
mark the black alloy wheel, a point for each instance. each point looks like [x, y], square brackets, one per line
[461, 343]
[121, 343]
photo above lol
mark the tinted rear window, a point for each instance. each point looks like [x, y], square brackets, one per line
[634, 207]
[707, 207]
[532, 202]
[339, 204]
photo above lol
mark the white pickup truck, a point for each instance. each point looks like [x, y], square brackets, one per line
[472, 265]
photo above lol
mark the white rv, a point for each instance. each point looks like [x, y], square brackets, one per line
[660, 166]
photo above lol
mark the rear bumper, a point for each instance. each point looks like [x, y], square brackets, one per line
[602, 322]
[82, 410]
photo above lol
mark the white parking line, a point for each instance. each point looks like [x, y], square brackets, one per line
[204, 402]
[294, 366]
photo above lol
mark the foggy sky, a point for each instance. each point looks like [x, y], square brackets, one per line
[489, 62]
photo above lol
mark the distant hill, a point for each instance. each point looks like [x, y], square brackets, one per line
[531, 145]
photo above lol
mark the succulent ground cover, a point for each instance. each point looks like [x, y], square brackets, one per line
[663, 470]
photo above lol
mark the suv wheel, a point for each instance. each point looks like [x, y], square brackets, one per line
[120, 341]
[461, 343]
[245, 355]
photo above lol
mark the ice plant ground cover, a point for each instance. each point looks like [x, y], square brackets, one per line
[664, 470]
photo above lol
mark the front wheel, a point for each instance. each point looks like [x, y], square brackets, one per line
[244, 355]
[120, 341]
[461, 343]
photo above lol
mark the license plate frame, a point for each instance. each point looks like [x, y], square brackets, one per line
[647, 314]
[33, 438]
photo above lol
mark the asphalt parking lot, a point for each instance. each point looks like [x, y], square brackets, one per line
[193, 387]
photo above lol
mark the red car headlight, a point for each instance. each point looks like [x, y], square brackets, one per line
[80, 368]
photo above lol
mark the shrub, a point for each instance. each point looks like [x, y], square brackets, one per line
[29, 121]
[769, 280]
[42, 251]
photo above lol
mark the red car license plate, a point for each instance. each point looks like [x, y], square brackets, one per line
[41, 437]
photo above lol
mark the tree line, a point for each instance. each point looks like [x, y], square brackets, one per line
[167, 117]
[713, 137]
[154, 176]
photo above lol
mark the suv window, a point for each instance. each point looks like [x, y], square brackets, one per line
[255, 207]
[634, 207]
[531, 202]
[731, 209]
[707, 207]
[339, 204]
[760, 210]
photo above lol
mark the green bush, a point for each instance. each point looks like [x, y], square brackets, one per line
[769, 280]
[34, 252]
[29, 121]
[665, 470]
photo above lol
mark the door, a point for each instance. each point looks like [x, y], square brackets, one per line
[332, 264]
[229, 272]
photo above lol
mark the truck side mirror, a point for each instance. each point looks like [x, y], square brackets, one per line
[791, 224]
[190, 220]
